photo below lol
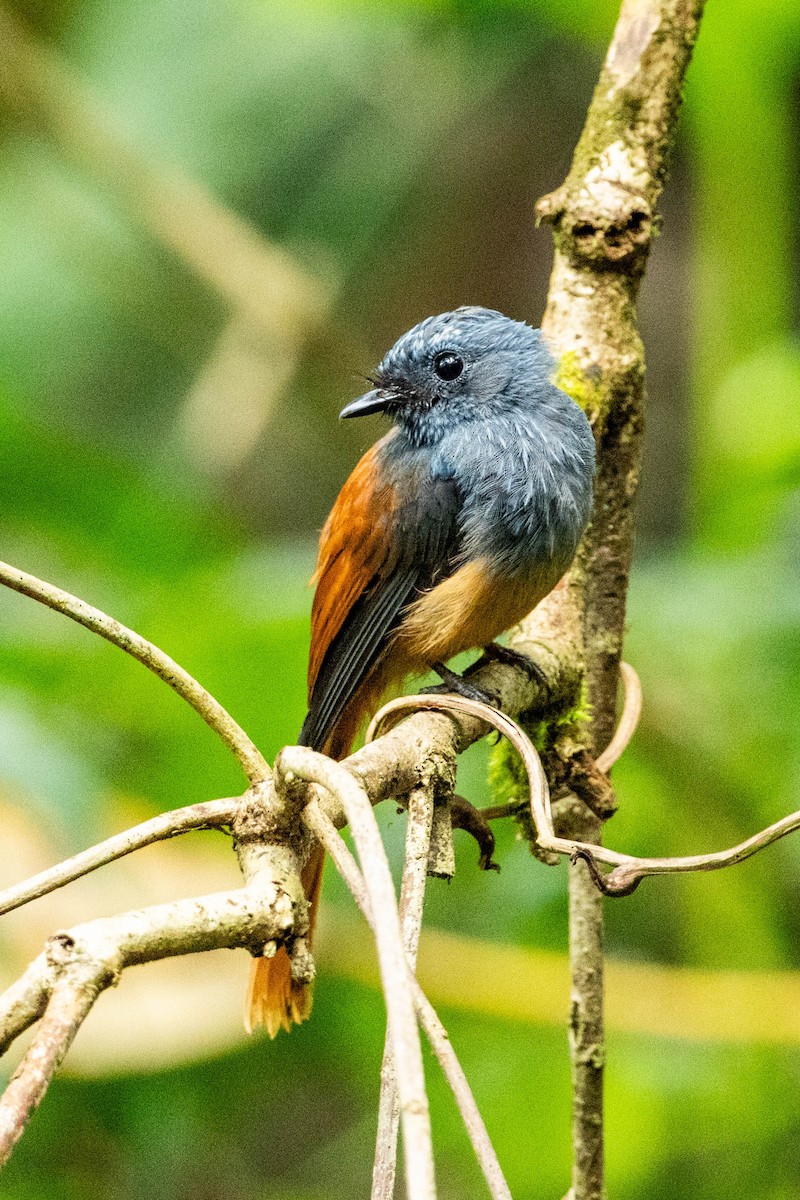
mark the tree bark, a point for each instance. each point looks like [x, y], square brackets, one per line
[604, 220]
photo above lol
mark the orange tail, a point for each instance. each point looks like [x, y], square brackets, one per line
[273, 999]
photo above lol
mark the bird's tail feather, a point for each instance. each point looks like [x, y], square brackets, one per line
[273, 998]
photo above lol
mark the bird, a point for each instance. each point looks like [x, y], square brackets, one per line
[450, 529]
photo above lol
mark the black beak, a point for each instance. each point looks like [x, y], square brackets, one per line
[378, 400]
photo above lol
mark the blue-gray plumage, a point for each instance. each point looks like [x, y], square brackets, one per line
[449, 530]
[489, 466]
[519, 450]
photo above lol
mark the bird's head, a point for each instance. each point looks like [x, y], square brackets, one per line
[458, 367]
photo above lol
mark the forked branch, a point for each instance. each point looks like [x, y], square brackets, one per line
[603, 218]
[60, 987]
[62, 984]
[629, 869]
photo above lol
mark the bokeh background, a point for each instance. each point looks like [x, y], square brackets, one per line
[213, 216]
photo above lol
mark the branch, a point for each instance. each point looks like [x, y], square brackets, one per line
[412, 902]
[604, 219]
[323, 828]
[62, 984]
[629, 869]
[425, 746]
[296, 763]
[266, 835]
[70, 1003]
[250, 757]
[212, 814]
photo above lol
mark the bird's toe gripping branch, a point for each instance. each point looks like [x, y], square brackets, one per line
[495, 652]
[454, 684]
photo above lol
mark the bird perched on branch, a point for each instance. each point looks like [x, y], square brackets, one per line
[450, 529]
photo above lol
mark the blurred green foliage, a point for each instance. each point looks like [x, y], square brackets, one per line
[395, 150]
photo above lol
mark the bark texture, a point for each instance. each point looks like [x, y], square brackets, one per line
[604, 220]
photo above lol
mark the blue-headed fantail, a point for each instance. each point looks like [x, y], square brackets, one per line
[450, 529]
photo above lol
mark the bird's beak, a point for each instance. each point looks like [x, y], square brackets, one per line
[378, 400]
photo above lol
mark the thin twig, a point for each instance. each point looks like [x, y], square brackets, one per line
[439, 1041]
[248, 917]
[629, 719]
[301, 763]
[629, 868]
[323, 828]
[211, 814]
[250, 757]
[71, 1001]
[630, 871]
[412, 901]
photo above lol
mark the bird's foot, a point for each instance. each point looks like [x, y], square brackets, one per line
[512, 658]
[454, 684]
[465, 816]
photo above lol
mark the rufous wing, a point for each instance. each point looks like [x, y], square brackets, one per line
[391, 534]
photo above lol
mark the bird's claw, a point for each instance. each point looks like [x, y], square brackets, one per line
[495, 652]
[465, 816]
[454, 684]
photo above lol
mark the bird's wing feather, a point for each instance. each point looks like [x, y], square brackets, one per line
[385, 540]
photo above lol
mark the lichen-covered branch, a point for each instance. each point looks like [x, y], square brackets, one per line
[604, 220]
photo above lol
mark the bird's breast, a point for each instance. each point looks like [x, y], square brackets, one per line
[470, 609]
[527, 498]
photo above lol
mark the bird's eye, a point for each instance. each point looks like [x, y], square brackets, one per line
[447, 365]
